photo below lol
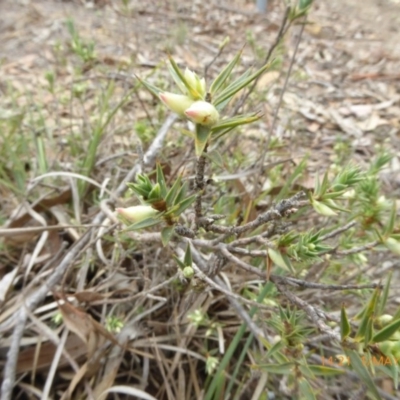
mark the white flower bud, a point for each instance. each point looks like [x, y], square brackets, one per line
[203, 113]
[177, 103]
[137, 213]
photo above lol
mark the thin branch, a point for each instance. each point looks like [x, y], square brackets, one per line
[10, 232]
[199, 183]
[280, 210]
[296, 48]
[356, 250]
[282, 31]
[275, 116]
[312, 285]
[337, 231]
[242, 264]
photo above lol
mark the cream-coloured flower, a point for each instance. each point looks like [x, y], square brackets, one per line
[136, 213]
[203, 113]
[177, 103]
[195, 82]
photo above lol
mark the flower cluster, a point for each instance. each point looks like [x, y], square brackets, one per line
[191, 103]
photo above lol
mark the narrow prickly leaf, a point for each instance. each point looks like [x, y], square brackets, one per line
[179, 262]
[179, 76]
[322, 208]
[345, 328]
[224, 74]
[233, 88]
[155, 193]
[385, 294]
[281, 369]
[358, 366]
[368, 332]
[202, 136]
[183, 205]
[277, 259]
[387, 332]
[151, 88]
[306, 391]
[188, 256]
[172, 193]
[147, 223]
[181, 194]
[166, 234]
[161, 181]
[392, 220]
[234, 122]
[368, 314]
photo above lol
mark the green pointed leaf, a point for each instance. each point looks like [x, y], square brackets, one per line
[183, 205]
[397, 315]
[304, 4]
[321, 370]
[177, 80]
[359, 367]
[330, 203]
[181, 194]
[368, 332]
[277, 355]
[280, 369]
[221, 133]
[392, 220]
[391, 369]
[276, 347]
[239, 84]
[368, 314]
[234, 122]
[345, 327]
[151, 88]
[179, 262]
[203, 134]
[215, 157]
[306, 391]
[224, 74]
[277, 259]
[322, 186]
[155, 193]
[387, 332]
[146, 223]
[223, 104]
[188, 256]
[322, 209]
[161, 181]
[172, 193]
[178, 77]
[385, 294]
[166, 234]
[139, 191]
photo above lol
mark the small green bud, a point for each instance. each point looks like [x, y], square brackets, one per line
[393, 245]
[384, 320]
[386, 347]
[188, 272]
